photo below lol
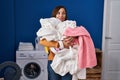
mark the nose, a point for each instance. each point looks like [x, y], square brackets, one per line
[61, 15]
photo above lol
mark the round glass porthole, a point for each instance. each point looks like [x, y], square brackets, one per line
[32, 70]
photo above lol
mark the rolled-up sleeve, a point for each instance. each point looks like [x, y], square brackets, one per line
[46, 43]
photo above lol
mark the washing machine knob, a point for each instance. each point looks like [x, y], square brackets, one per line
[31, 55]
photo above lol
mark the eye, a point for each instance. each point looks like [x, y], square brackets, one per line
[64, 13]
[58, 12]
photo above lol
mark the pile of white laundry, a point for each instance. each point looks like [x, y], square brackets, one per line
[65, 60]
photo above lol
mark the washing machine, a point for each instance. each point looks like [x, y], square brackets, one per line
[33, 64]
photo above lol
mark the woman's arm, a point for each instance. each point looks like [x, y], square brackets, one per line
[46, 43]
[65, 43]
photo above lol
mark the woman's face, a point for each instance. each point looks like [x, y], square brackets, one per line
[61, 14]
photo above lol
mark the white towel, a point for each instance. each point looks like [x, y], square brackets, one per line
[65, 60]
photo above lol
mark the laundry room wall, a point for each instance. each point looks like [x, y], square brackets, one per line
[19, 21]
[7, 30]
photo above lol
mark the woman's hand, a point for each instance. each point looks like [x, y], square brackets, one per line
[68, 41]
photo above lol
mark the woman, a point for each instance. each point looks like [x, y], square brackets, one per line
[60, 13]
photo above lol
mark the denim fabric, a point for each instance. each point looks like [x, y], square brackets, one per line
[54, 76]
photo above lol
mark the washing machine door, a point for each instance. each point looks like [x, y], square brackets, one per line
[32, 70]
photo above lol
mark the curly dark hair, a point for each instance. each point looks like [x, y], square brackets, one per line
[56, 9]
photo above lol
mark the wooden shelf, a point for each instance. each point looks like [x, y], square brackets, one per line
[93, 79]
[93, 70]
[95, 73]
